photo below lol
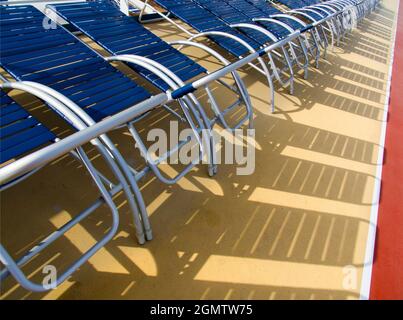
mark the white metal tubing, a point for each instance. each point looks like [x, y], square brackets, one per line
[49, 153]
[264, 70]
[16, 2]
[290, 30]
[258, 28]
[52, 152]
[305, 12]
[271, 37]
[114, 153]
[79, 124]
[7, 260]
[281, 23]
[165, 16]
[243, 61]
[166, 75]
[238, 81]
[59, 232]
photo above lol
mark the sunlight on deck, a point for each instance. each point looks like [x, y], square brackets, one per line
[81, 239]
[310, 203]
[271, 273]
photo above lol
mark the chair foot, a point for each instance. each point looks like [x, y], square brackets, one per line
[292, 87]
[141, 238]
[149, 235]
[212, 170]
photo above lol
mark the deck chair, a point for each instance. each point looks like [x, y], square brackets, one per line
[362, 7]
[260, 33]
[96, 90]
[352, 11]
[122, 36]
[289, 18]
[229, 39]
[281, 26]
[296, 53]
[323, 10]
[346, 13]
[22, 134]
[316, 40]
[328, 30]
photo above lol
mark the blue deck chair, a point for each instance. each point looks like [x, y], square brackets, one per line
[230, 39]
[58, 60]
[122, 35]
[303, 11]
[292, 21]
[260, 32]
[350, 11]
[281, 26]
[325, 30]
[361, 7]
[340, 19]
[22, 134]
[102, 13]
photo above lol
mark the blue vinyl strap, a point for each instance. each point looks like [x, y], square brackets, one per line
[308, 27]
[182, 91]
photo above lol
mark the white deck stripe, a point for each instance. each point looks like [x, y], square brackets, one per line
[370, 247]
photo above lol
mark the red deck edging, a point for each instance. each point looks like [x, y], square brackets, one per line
[387, 272]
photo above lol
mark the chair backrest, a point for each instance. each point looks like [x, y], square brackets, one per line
[31, 50]
[253, 10]
[293, 4]
[264, 6]
[20, 132]
[202, 20]
[121, 34]
[231, 15]
[271, 10]
[260, 11]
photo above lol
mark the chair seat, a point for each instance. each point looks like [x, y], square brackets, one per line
[264, 6]
[20, 132]
[55, 58]
[120, 34]
[314, 15]
[230, 15]
[202, 21]
[293, 4]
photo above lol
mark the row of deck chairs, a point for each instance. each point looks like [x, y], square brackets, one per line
[84, 90]
[240, 27]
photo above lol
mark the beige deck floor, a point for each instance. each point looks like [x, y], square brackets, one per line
[286, 232]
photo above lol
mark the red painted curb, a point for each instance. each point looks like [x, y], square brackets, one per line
[387, 273]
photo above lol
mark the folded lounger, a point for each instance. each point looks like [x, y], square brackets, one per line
[260, 9]
[21, 134]
[346, 14]
[292, 19]
[246, 16]
[329, 29]
[343, 16]
[56, 59]
[230, 39]
[263, 34]
[121, 36]
[361, 7]
[301, 7]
